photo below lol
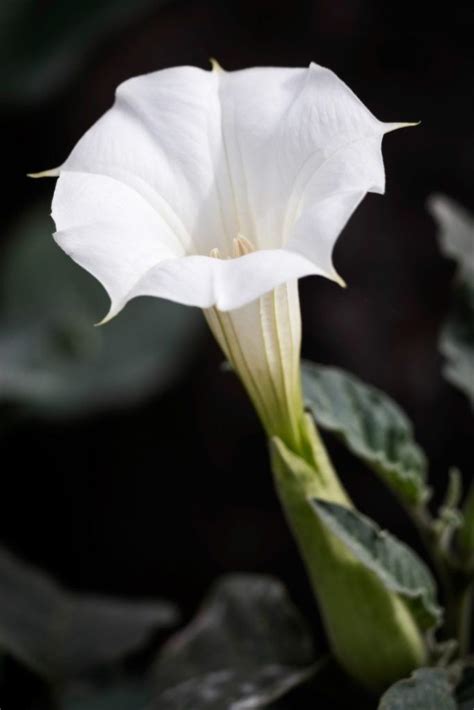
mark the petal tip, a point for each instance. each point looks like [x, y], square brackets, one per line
[105, 320]
[339, 280]
[114, 311]
[332, 275]
[389, 127]
[215, 66]
[52, 172]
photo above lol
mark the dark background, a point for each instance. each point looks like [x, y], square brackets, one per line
[161, 498]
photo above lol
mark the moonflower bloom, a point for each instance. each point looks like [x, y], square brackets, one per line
[220, 190]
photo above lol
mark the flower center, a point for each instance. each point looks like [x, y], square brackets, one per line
[240, 246]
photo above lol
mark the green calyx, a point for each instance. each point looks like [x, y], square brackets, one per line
[371, 628]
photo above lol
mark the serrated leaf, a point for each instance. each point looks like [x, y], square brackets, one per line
[394, 563]
[427, 689]
[456, 238]
[370, 424]
[61, 635]
[52, 358]
[245, 648]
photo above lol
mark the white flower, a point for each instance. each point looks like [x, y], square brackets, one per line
[260, 167]
[188, 160]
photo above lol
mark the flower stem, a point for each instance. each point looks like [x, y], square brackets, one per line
[370, 628]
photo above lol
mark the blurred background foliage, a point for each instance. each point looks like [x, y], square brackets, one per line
[52, 361]
[133, 466]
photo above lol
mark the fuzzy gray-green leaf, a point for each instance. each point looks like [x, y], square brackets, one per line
[370, 424]
[52, 359]
[62, 635]
[426, 689]
[246, 647]
[457, 338]
[396, 565]
[456, 343]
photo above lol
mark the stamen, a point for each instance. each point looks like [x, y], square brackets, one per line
[215, 253]
[241, 246]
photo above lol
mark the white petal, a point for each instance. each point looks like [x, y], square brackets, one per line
[110, 230]
[118, 244]
[160, 138]
[227, 284]
[331, 196]
[188, 159]
[285, 128]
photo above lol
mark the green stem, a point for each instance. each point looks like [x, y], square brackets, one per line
[424, 523]
[459, 614]
[457, 585]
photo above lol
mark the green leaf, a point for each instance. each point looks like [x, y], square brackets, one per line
[61, 635]
[427, 689]
[370, 424]
[44, 44]
[246, 647]
[394, 563]
[52, 358]
[456, 237]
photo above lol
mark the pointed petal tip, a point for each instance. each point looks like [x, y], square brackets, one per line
[215, 66]
[104, 321]
[389, 127]
[114, 311]
[52, 172]
[334, 277]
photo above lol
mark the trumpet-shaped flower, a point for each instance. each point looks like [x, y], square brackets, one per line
[214, 188]
[220, 190]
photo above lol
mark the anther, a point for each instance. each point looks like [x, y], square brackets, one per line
[241, 246]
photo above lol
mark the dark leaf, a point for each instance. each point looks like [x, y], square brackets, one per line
[456, 230]
[233, 690]
[53, 359]
[245, 648]
[427, 689]
[456, 237]
[457, 339]
[396, 565]
[370, 424]
[61, 635]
